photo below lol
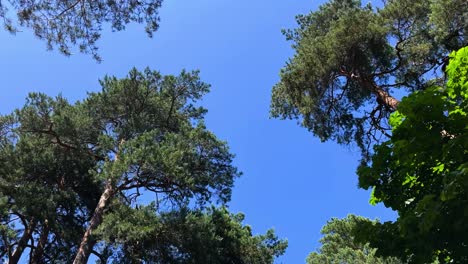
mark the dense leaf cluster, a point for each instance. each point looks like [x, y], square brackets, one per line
[187, 236]
[422, 172]
[340, 246]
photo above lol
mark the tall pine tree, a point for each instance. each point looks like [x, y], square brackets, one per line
[350, 60]
[73, 177]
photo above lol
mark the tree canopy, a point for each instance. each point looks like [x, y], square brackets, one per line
[339, 245]
[422, 172]
[187, 236]
[64, 24]
[349, 60]
[131, 174]
[73, 174]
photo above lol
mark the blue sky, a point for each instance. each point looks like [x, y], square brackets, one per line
[292, 182]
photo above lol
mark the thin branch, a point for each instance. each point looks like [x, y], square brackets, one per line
[101, 257]
[398, 65]
[68, 9]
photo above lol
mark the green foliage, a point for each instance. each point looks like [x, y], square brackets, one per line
[141, 134]
[340, 247]
[450, 31]
[40, 181]
[209, 236]
[67, 23]
[422, 172]
[150, 122]
[349, 59]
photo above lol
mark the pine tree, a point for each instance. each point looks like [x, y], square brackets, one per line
[350, 59]
[73, 176]
[64, 24]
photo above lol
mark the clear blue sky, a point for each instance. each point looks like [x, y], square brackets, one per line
[292, 182]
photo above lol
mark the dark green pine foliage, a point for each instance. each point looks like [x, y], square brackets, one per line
[64, 24]
[339, 245]
[65, 168]
[46, 191]
[422, 173]
[186, 236]
[349, 59]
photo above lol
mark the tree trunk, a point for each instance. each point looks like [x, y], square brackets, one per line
[385, 98]
[87, 242]
[15, 257]
[39, 250]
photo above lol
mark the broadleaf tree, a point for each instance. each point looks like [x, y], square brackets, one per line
[64, 24]
[69, 169]
[350, 59]
[422, 173]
